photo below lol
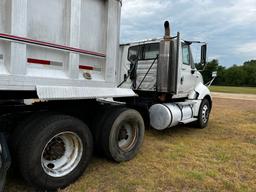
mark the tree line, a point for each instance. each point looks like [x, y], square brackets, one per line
[237, 75]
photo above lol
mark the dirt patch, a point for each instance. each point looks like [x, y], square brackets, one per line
[250, 97]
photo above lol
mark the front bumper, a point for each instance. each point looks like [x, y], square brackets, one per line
[5, 160]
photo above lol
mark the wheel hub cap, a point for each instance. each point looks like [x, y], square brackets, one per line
[205, 113]
[127, 136]
[62, 154]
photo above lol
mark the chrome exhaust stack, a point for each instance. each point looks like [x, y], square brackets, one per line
[167, 30]
[167, 64]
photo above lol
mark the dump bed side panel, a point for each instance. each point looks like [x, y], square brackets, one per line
[58, 43]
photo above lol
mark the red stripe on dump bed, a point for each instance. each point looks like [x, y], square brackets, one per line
[46, 62]
[39, 61]
[86, 67]
[52, 45]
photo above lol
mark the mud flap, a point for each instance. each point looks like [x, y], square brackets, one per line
[5, 161]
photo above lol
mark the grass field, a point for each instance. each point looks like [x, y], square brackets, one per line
[221, 157]
[229, 89]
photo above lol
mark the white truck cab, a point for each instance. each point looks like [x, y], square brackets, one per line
[147, 51]
[162, 72]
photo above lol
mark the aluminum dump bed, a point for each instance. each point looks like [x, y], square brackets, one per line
[60, 48]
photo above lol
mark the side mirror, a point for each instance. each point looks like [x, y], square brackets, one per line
[203, 54]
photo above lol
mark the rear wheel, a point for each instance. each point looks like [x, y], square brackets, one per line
[55, 151]
[62, 154]
[122, 134]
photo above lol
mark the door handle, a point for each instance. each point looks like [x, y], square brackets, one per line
[181, 80]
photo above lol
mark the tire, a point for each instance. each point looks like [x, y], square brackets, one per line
[204, 113]
[122, 134]
[21, 130]
[98, 123]
[43, 148]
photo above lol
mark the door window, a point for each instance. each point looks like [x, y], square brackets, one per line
[185, 55]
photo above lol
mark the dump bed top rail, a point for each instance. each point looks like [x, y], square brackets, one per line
[51, 45]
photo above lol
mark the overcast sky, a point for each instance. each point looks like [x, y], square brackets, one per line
[228, 26]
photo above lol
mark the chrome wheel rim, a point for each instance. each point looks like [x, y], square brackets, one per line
[62, 154]
[127, 136]
[205, 113]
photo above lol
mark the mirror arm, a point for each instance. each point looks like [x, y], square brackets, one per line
[201, 70]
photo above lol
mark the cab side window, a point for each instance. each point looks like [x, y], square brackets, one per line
[145, 52]
[185, 54]
[151, 51]
[135, 50]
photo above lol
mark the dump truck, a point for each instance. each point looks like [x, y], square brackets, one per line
[68, 89]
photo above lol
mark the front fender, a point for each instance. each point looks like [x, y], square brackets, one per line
[202, 91]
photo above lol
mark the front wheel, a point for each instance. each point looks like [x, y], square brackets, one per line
[55, 151]
[204, 114]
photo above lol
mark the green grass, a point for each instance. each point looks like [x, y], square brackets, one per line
[229, 89]
[218, 158]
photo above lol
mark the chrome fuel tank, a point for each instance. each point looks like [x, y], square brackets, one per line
[163, 116]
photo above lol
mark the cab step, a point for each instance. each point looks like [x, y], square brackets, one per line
[186, 121]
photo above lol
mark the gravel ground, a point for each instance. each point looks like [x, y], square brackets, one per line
[234, 96]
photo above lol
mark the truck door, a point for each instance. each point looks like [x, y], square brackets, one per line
[188, 75]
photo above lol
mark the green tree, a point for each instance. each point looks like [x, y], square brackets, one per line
[220, 80]
[250, 70]
[235, 76]
[242, 75]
